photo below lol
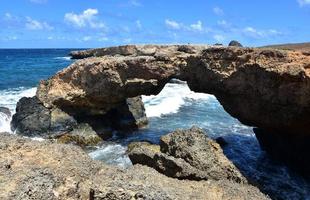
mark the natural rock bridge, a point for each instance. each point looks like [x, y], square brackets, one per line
[263, 88]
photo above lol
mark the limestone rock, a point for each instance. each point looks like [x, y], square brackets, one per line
[45, 170]
[187, 154]
[263, 88]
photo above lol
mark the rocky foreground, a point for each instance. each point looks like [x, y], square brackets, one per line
[264, 88]
[45, 170]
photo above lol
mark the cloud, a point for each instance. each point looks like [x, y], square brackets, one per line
[87, 38]
[135, 3]
[38, 1]
[254, 33]
[138, 24]
[32, 24]
[88, 18]
[218, 11]
[219, 38]
[303, 2]
[197, 26]
[173, 24]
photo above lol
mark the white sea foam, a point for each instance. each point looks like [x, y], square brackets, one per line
[9, 98]
[112, 153]
[63, 58]
[170, 99]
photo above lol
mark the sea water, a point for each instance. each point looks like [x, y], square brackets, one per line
[175, 107]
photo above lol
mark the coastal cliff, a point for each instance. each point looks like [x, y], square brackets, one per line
[264, 88]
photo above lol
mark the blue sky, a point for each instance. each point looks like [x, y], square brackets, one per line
[97, 23]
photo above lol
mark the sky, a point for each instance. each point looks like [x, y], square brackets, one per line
[100, 23]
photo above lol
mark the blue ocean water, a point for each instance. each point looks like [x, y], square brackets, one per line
[175, 107]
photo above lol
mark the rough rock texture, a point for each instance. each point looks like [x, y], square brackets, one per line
[32, 117]
[74, 125]
[44, 170]
[186, 154]
[264, 88]
[234, 43]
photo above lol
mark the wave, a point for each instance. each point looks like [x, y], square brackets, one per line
[111, 153]
[170, 99]
[9, 99]
[63, 58]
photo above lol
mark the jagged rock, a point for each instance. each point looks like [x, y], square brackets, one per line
[82, 135]
[234, 43]
[76, 126]
[6, 112]
[45, 170]
[186, 154]
[31, 117]
[263, 88]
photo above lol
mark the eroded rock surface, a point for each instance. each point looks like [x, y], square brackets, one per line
[264, 88]
[45, 170]
[186, 154]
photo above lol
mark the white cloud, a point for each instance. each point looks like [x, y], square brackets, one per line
[173, 24]
[86, 19]
[87, 38]
[252, 32]
[219, 38]
[135, 3]
[103, 39]
[138, 24]
[303, 2]
[197, 26]
[32, 24]
[218, 11]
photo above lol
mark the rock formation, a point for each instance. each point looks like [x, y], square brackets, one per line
[45, 170]
[186, 154]
[234, 43]
[264, 88]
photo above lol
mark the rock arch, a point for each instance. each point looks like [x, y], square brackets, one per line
[264, 88]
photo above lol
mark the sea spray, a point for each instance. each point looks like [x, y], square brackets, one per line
[9, 99]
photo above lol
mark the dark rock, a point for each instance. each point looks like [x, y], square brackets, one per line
[6, 111]
[221, 141]
[31, 117]
[76, 126]
[234, 43]
[218, 44]
[286, 147]
[186, 154]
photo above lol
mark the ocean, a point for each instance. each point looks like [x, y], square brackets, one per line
[175, 107]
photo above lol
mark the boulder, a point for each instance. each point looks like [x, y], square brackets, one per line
[234, 43]
[75, 126]
[31, 118]
[186, 154]
[44, 170]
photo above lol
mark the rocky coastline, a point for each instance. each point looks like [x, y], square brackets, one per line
[264, 88]
[47, 170]
[86, 102]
